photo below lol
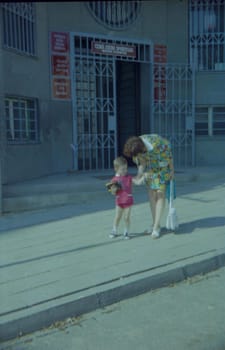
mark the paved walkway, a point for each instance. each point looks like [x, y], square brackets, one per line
[59, 262]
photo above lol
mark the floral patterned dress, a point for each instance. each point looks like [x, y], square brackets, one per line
[157, 160]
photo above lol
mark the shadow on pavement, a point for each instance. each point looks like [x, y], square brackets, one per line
[189, 227]
[14, 221]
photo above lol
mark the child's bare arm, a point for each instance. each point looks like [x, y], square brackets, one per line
[114, 189]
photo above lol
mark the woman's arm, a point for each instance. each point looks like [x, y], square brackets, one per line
[141, 179]
[171, 169]
[141, 165]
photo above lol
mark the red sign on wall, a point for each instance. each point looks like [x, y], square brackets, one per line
[60, 42]
[60, 66]
[160, 57]
[61, 88]
[160, 54]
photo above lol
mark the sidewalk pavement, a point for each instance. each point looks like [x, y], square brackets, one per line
[57, 263]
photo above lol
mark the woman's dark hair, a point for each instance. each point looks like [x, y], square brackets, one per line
[133, 146]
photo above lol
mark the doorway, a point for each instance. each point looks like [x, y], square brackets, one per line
[128, 101]
[105, 96]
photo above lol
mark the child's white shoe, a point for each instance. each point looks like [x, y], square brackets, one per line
[126, 235]
[113, 234]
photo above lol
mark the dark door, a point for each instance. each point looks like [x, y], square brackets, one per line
[128, 101]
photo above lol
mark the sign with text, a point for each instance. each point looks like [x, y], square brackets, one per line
[60, 42]
[113, 49]
[60, 66]
[160, 57]
[61, 88]
[160, 54]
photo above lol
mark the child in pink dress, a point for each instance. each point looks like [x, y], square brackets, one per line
[121, 187]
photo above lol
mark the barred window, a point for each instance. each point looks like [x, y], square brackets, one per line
[115, 14]
[210, 121]
[201, 121]
[219, 121]
[19, 26]
[207, 34]
[21, 120]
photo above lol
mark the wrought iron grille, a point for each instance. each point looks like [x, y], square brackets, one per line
[94, 96]
[21, 120]
[173, 109]
[83, 48]
[207, 34]
[115, 14]
[19, 26]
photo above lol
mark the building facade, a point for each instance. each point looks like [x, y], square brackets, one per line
[78, 78]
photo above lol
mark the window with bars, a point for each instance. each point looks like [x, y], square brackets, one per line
[201, 121]
[21, 120]
[19, 26]
[115, 14]
[207, 34]
[210, 121]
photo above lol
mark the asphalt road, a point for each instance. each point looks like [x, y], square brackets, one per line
[189, 315]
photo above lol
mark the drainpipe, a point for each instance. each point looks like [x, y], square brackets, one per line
[2, 132]
[1, 196]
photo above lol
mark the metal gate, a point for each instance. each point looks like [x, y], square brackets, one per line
[94, 109]
[173, 109]
[171, 100]
[94, 95]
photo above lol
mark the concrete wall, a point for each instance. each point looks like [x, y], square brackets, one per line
[209, 151]
[210, 88]
[210, 92]
[29, 77]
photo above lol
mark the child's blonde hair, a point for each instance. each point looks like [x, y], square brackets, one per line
[119, 161]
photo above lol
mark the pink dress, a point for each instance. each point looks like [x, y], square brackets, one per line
[124, 197]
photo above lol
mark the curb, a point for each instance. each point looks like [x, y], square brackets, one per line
[109, 292]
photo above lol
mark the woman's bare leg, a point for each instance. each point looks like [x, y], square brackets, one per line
[152, 201]
[159, 208]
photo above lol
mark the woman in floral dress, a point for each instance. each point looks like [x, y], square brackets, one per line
[153, 153]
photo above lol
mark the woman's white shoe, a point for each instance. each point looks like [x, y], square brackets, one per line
[155, 233]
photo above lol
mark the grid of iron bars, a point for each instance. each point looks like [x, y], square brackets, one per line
[21, 120]
[115, 14]
[94, 99]
[210, 121]
[19, 26]
[83, 48]
[207, 34]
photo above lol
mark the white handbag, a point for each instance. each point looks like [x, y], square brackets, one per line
[172, 219]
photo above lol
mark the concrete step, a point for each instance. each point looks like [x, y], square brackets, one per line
[56, 190]
[40, 201]
[79, 187]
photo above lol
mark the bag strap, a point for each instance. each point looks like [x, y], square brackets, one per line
[171, 193]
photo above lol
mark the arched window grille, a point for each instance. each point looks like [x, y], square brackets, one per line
[115, 14]
[19, 26]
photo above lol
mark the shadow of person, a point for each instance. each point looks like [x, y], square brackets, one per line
[212, 222]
